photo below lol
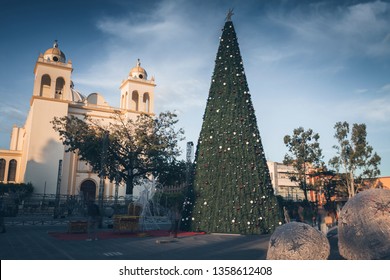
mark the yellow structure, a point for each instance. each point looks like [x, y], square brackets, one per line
[36, 149]
[383, 182]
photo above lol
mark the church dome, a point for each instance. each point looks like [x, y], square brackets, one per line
[76, 96]
[54, 54]
[138, 72]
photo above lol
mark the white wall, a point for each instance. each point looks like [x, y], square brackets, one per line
[45, 148]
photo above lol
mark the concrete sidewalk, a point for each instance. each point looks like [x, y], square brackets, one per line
[33, 242]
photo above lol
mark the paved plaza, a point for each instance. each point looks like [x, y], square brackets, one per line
[37, 242]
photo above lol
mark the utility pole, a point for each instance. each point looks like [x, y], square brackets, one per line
[102, 176]
[117, 178]
[58, 190]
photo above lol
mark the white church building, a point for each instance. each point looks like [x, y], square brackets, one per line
[36, 149]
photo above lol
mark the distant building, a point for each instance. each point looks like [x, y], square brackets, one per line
[36, 149]
[379, 183]
[384, 182]
[283, 186]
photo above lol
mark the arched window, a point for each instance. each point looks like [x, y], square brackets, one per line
[12, 170]
[126, 100]
[123, 101]
[2, 169]
[60, 83]
[146, 102]
[45, 86]
[134, 99]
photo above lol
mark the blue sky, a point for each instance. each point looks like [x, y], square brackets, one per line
[308, 63]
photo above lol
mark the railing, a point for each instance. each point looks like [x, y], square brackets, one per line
[46, 205]
[32, 221]
[40, 209]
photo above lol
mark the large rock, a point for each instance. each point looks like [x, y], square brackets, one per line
[298, 241]
[364, 226]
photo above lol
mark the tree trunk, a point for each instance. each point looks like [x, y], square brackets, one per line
[129, 182]
[129, 186]
[305, 192]
[351, 187]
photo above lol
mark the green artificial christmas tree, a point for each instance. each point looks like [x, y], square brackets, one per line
[232, 190]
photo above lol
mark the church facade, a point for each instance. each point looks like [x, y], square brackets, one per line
[36, 154]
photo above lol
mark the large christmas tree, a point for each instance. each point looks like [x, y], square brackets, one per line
[232, 190]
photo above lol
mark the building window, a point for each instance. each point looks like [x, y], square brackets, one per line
[135, 101]
[45, 86]
[2, 169]
[123, 101]
[12, 170]
[146, 102]
[60, 83]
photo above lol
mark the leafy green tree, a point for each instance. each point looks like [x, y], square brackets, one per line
[303, 152]
[354, 156]
[174, 174]
[325, 182]
[171, 199]
[232, 189]
[125, 150]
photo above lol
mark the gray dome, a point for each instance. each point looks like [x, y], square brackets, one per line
[76, 96]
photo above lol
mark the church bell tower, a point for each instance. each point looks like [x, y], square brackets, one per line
[52, 75]
[137, 92]
[43, 148]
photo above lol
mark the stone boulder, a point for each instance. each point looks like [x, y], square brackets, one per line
[298, 241]
[364, 226]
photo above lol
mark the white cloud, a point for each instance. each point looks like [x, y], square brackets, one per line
[361, 90]
[376, 110]
[9, 112]
[183, 95]
[271, 55]
[10, 116]
[167, 21]
[365, 109]
[364, 17]
[385, 88]
[162, 28]
[169, 47]
[361, 29]
[367, 25]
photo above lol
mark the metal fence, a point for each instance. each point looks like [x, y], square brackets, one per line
[61, 206]
[40, 209]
